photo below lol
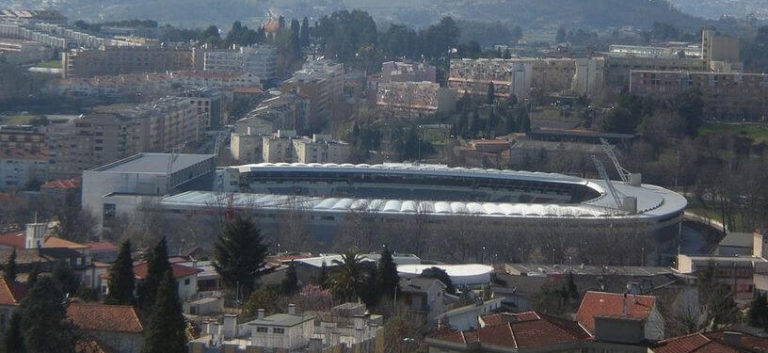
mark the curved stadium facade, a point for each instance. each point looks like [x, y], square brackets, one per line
[329, 193]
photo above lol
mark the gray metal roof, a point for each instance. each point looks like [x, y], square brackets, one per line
[153, 163]
[740, 240]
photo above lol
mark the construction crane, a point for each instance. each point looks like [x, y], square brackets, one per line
[611, 153]
[604, 174]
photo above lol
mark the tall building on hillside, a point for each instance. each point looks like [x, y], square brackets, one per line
[521, 77]
[259, 60]
[322, 83]
[124, 60]
[396, 71]
[720, 52]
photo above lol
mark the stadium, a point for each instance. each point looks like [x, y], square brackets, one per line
[328, 194]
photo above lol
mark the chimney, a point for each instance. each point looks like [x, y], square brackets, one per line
[230, 325]
[291, 309]
[260, 314]
[732, 338]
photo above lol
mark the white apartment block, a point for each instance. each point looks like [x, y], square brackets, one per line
[286, 147]
[259, 60]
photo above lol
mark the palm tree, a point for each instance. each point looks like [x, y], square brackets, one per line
[349, 276]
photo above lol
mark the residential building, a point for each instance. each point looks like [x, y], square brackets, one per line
[472, 316]
[397, 71]
[519, 77]
[115, 326]
[143, 174]
[425, 296]
[246, 147]
[260, 60]
[415, 99]
[619, 67]
[720, 52]
[11, 294]
[589, 77]
[22, 138]
[740, 244]
[286, 147]
[185, 276]
[736, 272]
[286, 111]
[680, 50]
[725, 95]
[209, 105]
[22, 52]
[321, 82]
[531, 152]
[113, 60]
[18, 168]
[598, 308]
[110, 133]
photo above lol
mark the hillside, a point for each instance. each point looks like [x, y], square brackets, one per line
[716, 8]
[529, 14]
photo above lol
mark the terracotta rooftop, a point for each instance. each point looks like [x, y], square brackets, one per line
[11, 293]
[501, 318]
[101, 246]
[754, 343]
[140, 270]
[92, 346]
[693, 343]
[73, 183]
[105, 318]
[56, 242]
[526, 330]
[13, 239]
[612, 304]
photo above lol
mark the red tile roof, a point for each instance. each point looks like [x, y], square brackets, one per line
[755, 343]
[73, 183]
[56, 242]
[13, 239]
[92, 346]
[612, 304]
[11, 293]
[179, 271]
[105, 318]
[501, 318]
[693, 343]
[523, 331]
[101, 246]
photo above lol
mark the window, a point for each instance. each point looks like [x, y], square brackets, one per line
[186, 282]
[109, 210]
[278, 330]
[261, 329]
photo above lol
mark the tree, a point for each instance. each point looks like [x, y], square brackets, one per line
[43, 324]
[304, 33]
[389, 281]
[121, 278]
[157, 266]
[290, 284]
[66, 278]
[348, 276]
[33, 275]
[239, 254]
[440, 274]
[758, 311]
[717, 299]
[491, 96]
[10, 267]
[322, 277]
[263, 298]
[166, 329]
[13, 339]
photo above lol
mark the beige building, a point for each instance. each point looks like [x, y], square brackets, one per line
[522, 77]
[286, 147]
[415, 99]
[110, 133]
[728, 96]
[321, 82]
[124, 60]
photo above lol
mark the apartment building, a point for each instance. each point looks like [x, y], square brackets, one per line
[727, 96]
[22, 51]
[522, 77]
[18, 168]
[110, 133]
[123, 60]
[287, 147]
[321, 82]
[21, 138]
[260, 60]
[415, 99]
[397, 71]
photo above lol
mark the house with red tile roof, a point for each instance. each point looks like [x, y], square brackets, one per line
[117, 327]
[713, 342]
[523, 332]
[186, 278]
[11, 294]
[616, 310]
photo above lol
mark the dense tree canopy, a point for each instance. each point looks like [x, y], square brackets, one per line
[239, 255]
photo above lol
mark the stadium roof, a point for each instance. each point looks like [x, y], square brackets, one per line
[153, 163]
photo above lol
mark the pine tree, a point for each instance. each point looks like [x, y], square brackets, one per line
[121, 278]
[43, 324]
[304, 32]
[157, 266]
[10, 267]
[13, 339]
[491, 94]
[166, 329]
[389, 281]
[33, 275]
[322, 277]
[290, 284]
[66, 278]
[239, 254]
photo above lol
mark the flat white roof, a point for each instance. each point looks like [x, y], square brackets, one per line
[451, 270]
